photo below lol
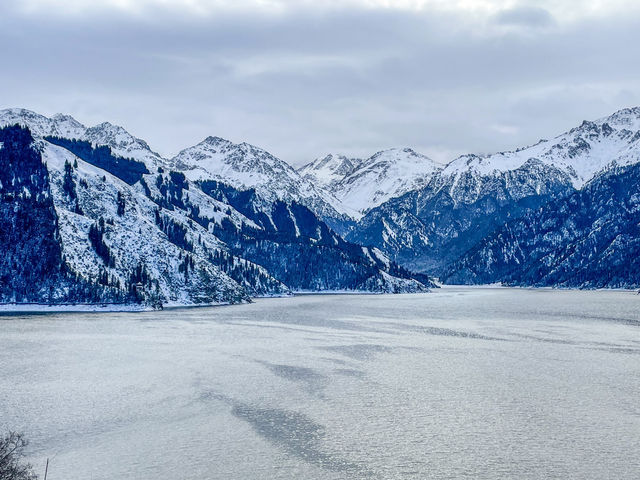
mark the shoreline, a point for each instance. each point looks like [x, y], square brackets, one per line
[9, 309]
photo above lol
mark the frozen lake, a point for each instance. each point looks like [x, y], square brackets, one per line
[459, 383]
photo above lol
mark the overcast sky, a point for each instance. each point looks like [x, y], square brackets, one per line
[305, 78]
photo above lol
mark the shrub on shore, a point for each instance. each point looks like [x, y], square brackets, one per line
[12, 464]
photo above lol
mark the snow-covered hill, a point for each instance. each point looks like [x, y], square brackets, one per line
[590, 239]
[120, 141]
[363, 184]
[429, 227]
[581, 153]
[246, 166]
[109, 229]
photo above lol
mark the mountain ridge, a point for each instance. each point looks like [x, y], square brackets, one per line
[363, 184]
[156, 237]
[429, 227]
[589, 239]
[399, 203]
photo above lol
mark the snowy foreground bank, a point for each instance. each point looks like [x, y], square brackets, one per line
[45, 308]
[10, 308]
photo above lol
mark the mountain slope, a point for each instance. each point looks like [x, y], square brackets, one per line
[32, 267]
[79, 246]
[426, 229]
[106, 233]
[329, 170]
[111, 233]
[430, 227]
[293, 232]
[590, 239]
[245, 166]
[364, 184]
[581, 152]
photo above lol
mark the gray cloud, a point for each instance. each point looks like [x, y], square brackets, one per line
[306, 81]
[524, 16]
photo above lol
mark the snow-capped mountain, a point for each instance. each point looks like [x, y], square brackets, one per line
[328, 171]
[243, 166]
[581, 153]
[428, 228]
[590, 239]
[246, 166]
[246, 222]
[364, 184]
[59, 125]
[121, 142]
[83, 224]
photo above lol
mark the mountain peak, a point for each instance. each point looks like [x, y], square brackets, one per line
[109, 127]
[634, 111]
[628, 118]
[329, 169]
[364, 184]
[62, 117]
[402, 155]
[18, 111]
[123, 143]
[215, 140]
[21, 116]
[398, 150]
[39, 125]
[68, 126]
[114, 136]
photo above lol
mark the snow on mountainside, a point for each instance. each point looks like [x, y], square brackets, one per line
[365, 184]
[245, 166]
[132, 237]
[415, 211]
[581, 152]
[387, 174]
[241, 165]
[329, 171]
[58, 125]
[120, 141]
[85, 225]
[430, 227]
[589, 239]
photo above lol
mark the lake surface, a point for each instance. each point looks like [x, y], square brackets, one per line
[473, 383]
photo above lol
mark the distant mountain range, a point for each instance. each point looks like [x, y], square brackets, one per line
[93, 214]
[430, 227]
